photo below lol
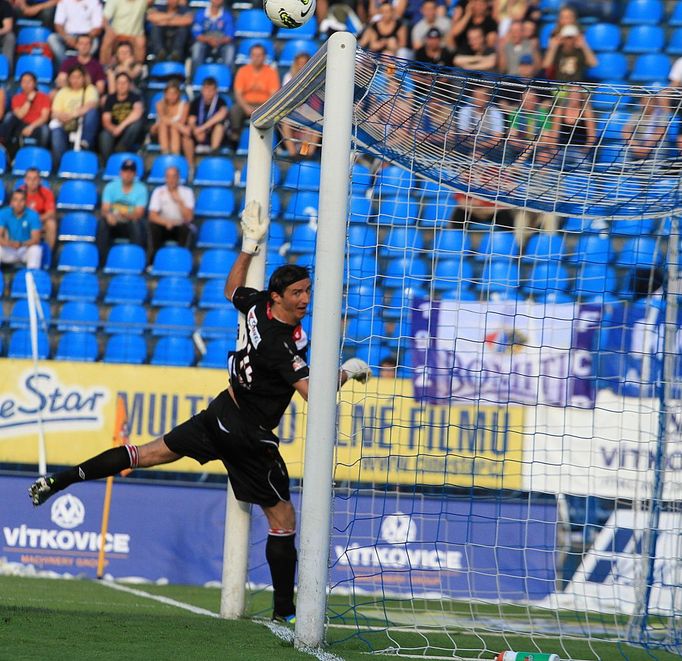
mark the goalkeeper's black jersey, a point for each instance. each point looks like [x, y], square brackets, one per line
[262, 373]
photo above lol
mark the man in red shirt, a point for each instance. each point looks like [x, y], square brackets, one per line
[29, 115]
[41, 200]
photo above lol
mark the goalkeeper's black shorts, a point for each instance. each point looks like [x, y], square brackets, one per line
[251, 455]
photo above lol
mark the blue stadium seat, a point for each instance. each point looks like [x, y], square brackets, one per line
[643, 12]
[78, 165]
[77, 346]
[636, 227]
[363, 297]
[42, 281]
[19, 316]
[162, 72]
[640, 252]
[77, 195]
[221, 73]
[39, 65]
[216, 354]
[302, 206]
[3, 161]
[406, 272]
[547, 277]
[78, 226]
[609, 126]
[675, 19]
[78, 256]
[594, 281]
[651, 68]
[303, 176]
[112, 169]
[243, 144]
[20, 345]
[32, 157]
[363, 267]
[126, 288]
[397, 211]
[303, 238]
[607, 98]
[220, 322]
[173, 351]
[438, 215]
[214, 171]
[401, 241]
[33, 35]
[496, 243]
[126, 348]
[450, 241]
[610, 66]
[450, 272]
[592, 249]
[500, 275]
[79, 317]
[213, 295]
[218, 233]
[545, 34]
[603, 37]
[275, 176]
[674, 46]
[292, 48]
[78, 286]
[361, 179]
[277, 235]
[393, 180]
[244, 47]
[4, 69]
[157, 175]
[361, 328]
[361, 237]
[359, 210]
[172, 260]
[644, 39]
[173, 290]
[126, 318]
[543, 246]
[214, 202]
[252, 23]
[216, 263]
[125, 258]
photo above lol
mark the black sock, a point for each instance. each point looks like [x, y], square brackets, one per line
[108, 463]
[280, 553]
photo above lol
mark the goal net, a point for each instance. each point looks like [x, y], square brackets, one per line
[511, 479]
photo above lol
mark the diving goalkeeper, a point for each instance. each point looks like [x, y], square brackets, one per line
[236, 428]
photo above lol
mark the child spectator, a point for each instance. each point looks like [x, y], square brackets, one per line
[171, 126]
[213, 32]
[122, 119]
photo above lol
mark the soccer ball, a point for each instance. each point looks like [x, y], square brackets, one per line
[289, 13]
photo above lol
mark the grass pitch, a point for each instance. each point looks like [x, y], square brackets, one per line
[81, 619]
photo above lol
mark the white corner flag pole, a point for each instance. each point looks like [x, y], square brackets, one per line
[35, 308]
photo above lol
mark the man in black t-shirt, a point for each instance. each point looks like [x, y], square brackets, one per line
[433, 51]
[122, 119]
[236, 428]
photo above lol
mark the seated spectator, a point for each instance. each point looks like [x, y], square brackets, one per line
[7, 38]
[433, 51]
[85, 59]
[481, 123]
[568, 56]
[169, 31]
[207, 115]
[171, 126]
[123, 61]
[124, 201]
[44, 11]
[74, 17]
[430, 20]
[20, 233]
[124, 21]
[476, 14]
[567, 16]
[41, 199]
[513, 48]
[254, 84]
[75, 117]
[386, 35]
[529, 129]
[476, 55]
[297, 141]
[29, 116]
[647, 128]
[122, 119]
[171, 211]
[573, 127]
[213, 32]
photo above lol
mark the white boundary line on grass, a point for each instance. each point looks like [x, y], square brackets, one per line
[287, 634]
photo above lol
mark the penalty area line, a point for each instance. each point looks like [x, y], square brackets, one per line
[287, 634]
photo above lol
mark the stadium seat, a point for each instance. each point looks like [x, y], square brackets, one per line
[4, 69]
[213, 295]
[451, 272]
[78, 286]
[3, 162]
[547, 277]
[216, 354]
[79, 317]
[126, 288]
[302, 206]
[242, 55]
[592, 249]
[610, 66]
[545, 34]
[644, 39]
[397, 211]
[361, 179]
[218, 233]
[446, 242]
[214, 171]
[126, 318]
[77, 346]
[78, 165]
[401, 241]
[363, 297]
[78, 256]
[496, 243]
[157, 174]
[609, 126]
[173, 290]
[252, 23]
[303, 176]
[607, 98]
[675, 19]
[220, 322]
[275, 176]
[393, 180]
[361, 237]
[643, 12]
[214, 202]
[32, 157]
[39, 65]
[162, 72]
[363, 267]
[172, 260]
[303, 239]
[640, 252]
[221, 73]
[243, 144]
[78, 226]
[307, 31]
[406, 272]
[650, 68]
[603, 37]
[216, 263]
[42, 281]
[359, 210]
[125, 258]
[126, 348]
[277, 236]
[20, 345]
[594, 281]
[112, 169]
[500, 275]
[174, 352]
[174, 320]
[19, 315]
[543, 246]
[674, 46]
[77, 195]
[635, 227]
[438, 215]
[292, 48]
[34, 35]
[361, 328]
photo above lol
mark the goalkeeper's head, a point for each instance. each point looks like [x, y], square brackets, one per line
[289, 290]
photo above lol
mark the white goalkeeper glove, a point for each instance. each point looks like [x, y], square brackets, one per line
[357, 369]
[254, 227]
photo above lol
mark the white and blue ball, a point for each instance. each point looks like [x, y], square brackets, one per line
[289, 14]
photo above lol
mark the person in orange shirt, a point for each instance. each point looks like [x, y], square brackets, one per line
[41, 199]
[254, 84]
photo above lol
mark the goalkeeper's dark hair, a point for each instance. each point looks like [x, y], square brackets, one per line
[286, 275]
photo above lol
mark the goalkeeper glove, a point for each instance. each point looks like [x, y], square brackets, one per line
[254, 228]
[357, 369]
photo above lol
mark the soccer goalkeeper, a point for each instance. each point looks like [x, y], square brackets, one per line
[236, 428]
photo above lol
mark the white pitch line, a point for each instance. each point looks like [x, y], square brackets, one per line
[287, 634]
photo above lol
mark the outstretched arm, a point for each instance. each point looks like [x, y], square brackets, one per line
[237, 275]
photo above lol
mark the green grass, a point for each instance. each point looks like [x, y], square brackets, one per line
[80, 619]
